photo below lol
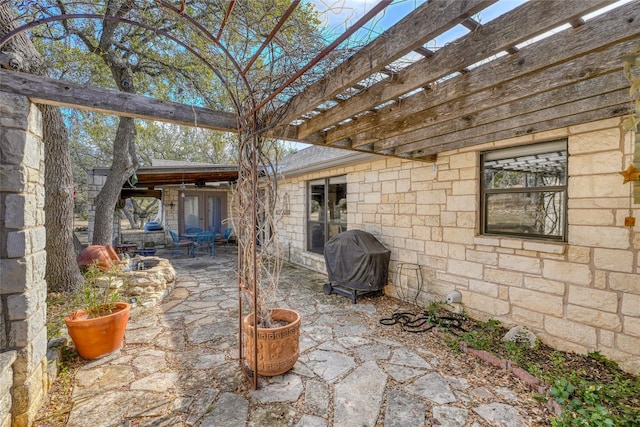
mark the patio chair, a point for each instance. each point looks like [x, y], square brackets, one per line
[179, 243]
[224, 238]
[204, 241]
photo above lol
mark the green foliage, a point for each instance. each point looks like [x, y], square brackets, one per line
[99, 294]
[595, 393]
[558, 359]
[590, 403]
[516, 351]
[477, 339]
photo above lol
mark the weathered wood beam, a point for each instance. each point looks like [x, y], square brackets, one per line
[509, 114]
[515, 26]
[482, 106]
[47, 91]
[417, 28]
[125, 193]
[600, 35]
[585, 117]
[613, 104]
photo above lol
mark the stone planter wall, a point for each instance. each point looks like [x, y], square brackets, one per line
[23, 290]
[582, 295]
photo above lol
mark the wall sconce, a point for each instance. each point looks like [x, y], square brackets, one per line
[172, 205]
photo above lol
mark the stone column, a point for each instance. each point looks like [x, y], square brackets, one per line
[23, 288]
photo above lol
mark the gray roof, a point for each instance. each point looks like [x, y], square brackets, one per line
[316, 157]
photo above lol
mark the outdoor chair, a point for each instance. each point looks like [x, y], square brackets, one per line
[224, 238]
[204, 241]
[179, 243]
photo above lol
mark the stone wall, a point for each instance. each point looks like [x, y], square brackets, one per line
[582, 295]
[157, 239]
[23, 335]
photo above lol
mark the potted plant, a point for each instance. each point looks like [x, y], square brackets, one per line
[97, 328]
[270, 333]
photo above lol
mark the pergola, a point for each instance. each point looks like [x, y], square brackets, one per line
[497, 81]
[541, 66]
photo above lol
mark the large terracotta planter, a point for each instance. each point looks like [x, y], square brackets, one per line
[106, 256]
[99, 336]
[278, 348]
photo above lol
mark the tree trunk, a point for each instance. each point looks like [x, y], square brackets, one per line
[121, 169]
[124, 162]
[62, 272]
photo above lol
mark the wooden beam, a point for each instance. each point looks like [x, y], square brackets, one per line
[488, 105]
[599, 35]
[507, 114]
[422, 25]
[515, 26]
[125, 193]
[47, 91]
[531, 128]
[613, 104]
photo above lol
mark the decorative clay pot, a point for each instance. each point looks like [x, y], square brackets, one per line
[105, 255]
[278, 348]
[98, 336]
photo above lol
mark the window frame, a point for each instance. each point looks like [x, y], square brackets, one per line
[530, 149]
[327, 221]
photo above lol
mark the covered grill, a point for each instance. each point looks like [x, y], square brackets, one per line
[357, 264]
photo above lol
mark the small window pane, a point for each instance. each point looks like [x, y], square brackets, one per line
[542, 170]
[524, 190]
[535, 214]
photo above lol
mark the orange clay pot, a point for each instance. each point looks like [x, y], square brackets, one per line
[98, 336]
[278, 348]
[105, 255]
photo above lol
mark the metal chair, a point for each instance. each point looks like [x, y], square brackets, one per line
[179, 243]
[204, 241]
[224, 238]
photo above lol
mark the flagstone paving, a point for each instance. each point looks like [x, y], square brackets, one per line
[179, 367]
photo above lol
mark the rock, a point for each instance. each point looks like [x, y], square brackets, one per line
[500, 414]
[351, 405]
[433, 387]
[520, 334]
[230, 411]
[403, 410]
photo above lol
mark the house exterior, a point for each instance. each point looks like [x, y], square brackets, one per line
[190, 194]
[577, 287]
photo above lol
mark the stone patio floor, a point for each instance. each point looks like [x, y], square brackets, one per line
[179, 366]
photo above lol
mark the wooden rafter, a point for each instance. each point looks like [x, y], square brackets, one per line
[568, 78]
[506, 31]
[583, 96]
[542, 121]
[529, 89]
[426, 22]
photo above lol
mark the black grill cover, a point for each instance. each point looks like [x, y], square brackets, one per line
[357, 260]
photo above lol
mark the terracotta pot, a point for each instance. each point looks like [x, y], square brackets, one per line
[105, 255]
[278, 348]
[99, 336]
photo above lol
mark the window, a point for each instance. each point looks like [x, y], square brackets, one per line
[524, 191]
[326, 211]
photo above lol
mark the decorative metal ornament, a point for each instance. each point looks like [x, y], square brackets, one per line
[630, 174]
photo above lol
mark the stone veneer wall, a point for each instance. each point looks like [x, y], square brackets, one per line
[23, 290]
[583, 295]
